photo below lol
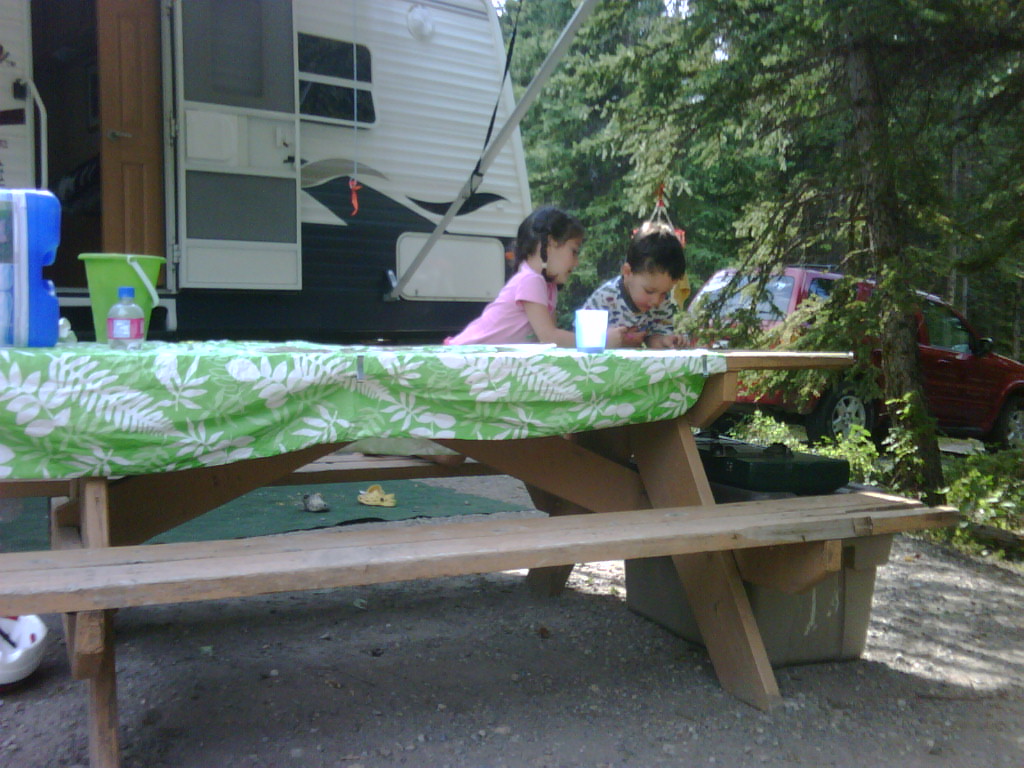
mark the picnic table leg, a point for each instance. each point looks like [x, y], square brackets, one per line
[104, 748]
[565, 475]
[611, 443]
[83, 521]
[670, 466]
[550, 581]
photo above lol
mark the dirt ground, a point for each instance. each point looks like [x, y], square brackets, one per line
[474, 673]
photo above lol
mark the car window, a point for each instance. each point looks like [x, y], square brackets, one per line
[772, 304]
[945, 330]
[776, 301]
[820, 287]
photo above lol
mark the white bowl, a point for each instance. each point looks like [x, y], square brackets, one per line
[28, 634]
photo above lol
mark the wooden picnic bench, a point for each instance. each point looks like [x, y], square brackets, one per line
[640, 483]
[76, 580]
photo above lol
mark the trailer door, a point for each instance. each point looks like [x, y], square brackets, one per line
[131, 180]
[237, 146]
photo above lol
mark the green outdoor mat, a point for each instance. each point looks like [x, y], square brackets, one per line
[279, 509]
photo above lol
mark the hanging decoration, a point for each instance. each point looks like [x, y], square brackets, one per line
[355, 186]
[660, 213]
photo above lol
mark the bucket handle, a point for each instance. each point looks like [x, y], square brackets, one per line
[145, 279]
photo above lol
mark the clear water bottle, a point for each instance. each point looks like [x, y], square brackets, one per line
[125, 321]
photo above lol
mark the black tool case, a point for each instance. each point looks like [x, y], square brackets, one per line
[770, 468]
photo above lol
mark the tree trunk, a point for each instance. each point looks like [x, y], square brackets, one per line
[919, 469]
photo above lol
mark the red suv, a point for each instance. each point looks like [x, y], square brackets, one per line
[970, 390]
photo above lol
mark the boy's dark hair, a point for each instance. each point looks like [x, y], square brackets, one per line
[655, 248]
[543, 223]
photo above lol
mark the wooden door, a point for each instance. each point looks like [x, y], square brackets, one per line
[131, 145]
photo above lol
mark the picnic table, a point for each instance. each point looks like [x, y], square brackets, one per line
[143, 441]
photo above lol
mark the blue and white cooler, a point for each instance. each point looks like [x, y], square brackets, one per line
[29, 234]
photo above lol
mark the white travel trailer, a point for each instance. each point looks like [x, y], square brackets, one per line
[285, 156]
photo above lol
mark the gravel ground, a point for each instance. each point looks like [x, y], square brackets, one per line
[472, 672]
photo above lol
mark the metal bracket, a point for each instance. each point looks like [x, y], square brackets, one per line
[391, 294]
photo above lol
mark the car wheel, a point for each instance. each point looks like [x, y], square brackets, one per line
[838, 411]
[1009, 428]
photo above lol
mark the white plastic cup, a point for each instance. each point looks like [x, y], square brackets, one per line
[591, 330]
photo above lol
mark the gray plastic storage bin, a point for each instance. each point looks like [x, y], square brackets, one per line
[828, 622]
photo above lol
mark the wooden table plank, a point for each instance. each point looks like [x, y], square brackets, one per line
[775, 360]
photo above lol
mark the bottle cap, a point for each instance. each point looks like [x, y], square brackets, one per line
[126, 291]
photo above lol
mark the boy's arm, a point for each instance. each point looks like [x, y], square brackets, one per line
[620, 337]
[661, 331]
[664, 341]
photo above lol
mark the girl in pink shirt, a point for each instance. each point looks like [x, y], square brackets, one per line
[546, 252]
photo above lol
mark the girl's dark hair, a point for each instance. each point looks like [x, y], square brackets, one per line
[543, 223]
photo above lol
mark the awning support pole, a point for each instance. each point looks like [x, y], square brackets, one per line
[492, 150]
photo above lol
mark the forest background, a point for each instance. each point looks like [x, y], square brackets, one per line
[744, 112]
[879, 137]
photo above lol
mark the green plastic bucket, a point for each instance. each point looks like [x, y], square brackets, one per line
[106, 272]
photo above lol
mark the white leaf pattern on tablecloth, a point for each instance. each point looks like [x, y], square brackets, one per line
[90, 410]
[185, 389]
[6, 454]
[324, 427]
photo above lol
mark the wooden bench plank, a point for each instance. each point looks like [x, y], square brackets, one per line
[725, 518]
[62, 581]
[357, 467]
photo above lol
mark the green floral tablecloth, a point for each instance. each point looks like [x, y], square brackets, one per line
[89, 410]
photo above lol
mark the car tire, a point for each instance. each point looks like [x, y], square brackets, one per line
[837, 411]
[1009, 429]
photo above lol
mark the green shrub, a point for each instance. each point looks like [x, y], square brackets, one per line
[858, 449]
[761, 429]
[989, 489]
[866, 465]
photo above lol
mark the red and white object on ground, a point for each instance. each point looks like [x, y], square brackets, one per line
[22, 642]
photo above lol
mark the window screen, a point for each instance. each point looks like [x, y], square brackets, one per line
[239, 53]
[331, 78]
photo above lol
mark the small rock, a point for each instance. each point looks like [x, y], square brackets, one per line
[314, 502]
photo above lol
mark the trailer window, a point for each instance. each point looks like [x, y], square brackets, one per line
[334, 76]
